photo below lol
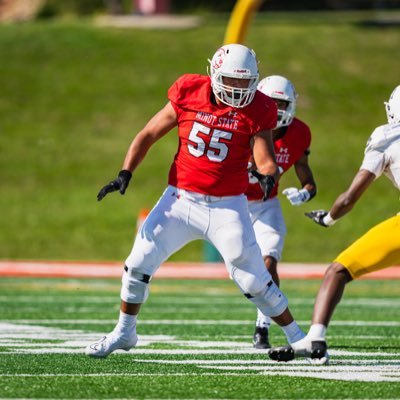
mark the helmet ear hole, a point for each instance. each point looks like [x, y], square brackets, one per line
[281, 90]
[238, 62]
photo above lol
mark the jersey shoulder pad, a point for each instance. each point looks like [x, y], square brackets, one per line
[377, 138]
[300, 126]
[301, 131]
[190, 88]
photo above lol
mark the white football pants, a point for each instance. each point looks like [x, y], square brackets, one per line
[269, 226]
[180, 217]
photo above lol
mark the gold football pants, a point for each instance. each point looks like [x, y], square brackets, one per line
[377, 249]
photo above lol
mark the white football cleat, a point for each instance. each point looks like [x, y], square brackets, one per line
[107, 344]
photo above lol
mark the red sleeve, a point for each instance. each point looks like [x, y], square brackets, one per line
[174, 95]
[190, 90]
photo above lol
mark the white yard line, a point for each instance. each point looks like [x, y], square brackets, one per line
[26, 338]
[376, 374]
[185, 322]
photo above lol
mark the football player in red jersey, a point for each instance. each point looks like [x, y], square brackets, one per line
[221, 120]
[292, 139]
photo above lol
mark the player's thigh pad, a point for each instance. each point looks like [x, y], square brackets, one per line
[231, 230]
[269, 226]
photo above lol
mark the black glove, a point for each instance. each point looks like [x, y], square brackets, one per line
[317, 216]
[267, 183]
[120, 183]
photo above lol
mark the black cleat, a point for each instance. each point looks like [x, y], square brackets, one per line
[285, 353]
[260, 338]
[318, 354]
[318, 349]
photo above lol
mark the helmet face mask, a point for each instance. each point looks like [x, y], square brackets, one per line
[280, 88]
[393, 107]
[234, 75]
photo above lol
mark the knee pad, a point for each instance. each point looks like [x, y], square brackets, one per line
[248, 282]
[270, 301]
[135, 287]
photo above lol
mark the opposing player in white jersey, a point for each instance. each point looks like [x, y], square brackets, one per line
[292, 140]
[221, 120]
[377, 249]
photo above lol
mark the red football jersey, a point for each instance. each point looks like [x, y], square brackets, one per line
[288, 149]
[214, 139]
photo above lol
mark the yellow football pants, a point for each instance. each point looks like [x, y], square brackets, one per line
[379, 248]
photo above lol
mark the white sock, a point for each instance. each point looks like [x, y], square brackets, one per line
[126, 324]
[317, 331]
[263, 321]
[293, 332]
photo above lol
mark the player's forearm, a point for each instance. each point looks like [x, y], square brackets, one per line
[342, 205]
[264, 156]
[346, 201]
[269, 168]
[265, 161]
[137, 151]
[305, 176]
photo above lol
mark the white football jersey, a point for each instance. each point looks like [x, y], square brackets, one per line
[382, 153]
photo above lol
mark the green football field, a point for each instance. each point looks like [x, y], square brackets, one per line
[194, 343]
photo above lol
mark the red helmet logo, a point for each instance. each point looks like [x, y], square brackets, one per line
[218, 59]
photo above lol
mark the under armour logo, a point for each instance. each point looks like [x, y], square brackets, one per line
[232, 114]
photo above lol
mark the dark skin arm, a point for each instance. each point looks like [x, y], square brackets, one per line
[305, 175]
[337, 276]
[345, 201]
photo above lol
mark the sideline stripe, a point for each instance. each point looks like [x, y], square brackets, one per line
[65, 269]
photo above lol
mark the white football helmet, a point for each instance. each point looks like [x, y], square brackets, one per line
[393, 107]
[234, 61]
[280, 88]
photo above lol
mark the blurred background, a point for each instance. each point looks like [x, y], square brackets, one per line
[78, 79]
[18, 10]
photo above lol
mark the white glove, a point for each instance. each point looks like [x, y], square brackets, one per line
[296, 196]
